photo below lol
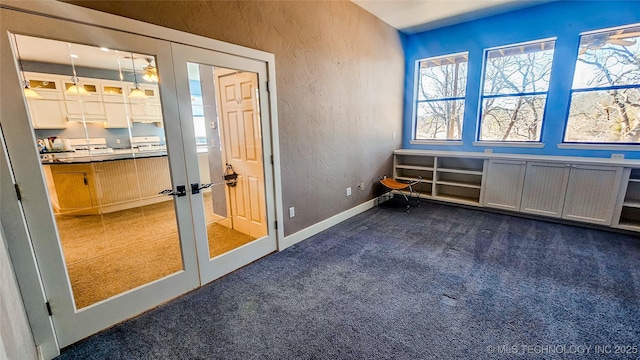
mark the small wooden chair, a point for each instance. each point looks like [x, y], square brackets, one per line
[397, 186]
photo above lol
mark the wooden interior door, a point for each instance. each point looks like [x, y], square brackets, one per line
[243, 150]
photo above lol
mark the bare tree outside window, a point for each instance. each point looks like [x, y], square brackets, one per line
[605, 100]
[442, 83]
[516, 81]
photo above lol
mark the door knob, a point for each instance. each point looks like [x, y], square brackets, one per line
[181, 190]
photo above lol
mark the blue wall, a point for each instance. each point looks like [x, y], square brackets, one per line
[563, 19]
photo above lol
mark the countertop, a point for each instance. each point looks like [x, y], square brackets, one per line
[71, 158]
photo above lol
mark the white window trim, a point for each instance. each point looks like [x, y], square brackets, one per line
[414, 115]
[522, 144]
[478, 142]
[592, 146]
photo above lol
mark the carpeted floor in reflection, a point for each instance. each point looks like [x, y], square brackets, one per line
[438, 283]
[109, 254]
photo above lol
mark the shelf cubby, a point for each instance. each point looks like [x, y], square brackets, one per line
[412, 174]
[415, 161]
[457, 194]
[460, 179]
[460, 165]
[633, 193]
[630, 217]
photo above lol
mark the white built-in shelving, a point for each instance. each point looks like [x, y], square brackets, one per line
[442, 177]
[588, 190]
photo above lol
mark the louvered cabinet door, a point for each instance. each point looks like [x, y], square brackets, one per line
[504, 183]
[591, 193]
[544, 190]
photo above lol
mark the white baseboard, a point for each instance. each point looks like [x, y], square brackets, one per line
[327, 223]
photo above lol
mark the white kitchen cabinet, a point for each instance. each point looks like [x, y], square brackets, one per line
[115, 104]
[146, 109]
[88, 107]
[47, 112]
[545, 185]
[591, 193]
[504, 183]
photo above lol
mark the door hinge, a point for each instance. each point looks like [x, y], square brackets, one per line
[271, 159]
[18, 192]
[268, 86]
[276, 225]
[49, 308]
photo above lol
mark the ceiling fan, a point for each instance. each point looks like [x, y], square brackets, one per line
[150, 72]
[596, 41]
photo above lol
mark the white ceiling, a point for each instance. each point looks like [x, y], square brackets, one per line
[418, 15]
[59, 52]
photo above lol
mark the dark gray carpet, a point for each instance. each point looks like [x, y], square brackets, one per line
[441, 282]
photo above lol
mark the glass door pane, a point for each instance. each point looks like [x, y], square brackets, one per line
[99, 129]
[226, 123]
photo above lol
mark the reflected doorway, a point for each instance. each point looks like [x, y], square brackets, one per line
[226, 116]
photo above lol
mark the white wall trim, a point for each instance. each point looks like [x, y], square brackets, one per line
[327, 223]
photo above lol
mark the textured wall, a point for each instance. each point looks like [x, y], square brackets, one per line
[340, 88]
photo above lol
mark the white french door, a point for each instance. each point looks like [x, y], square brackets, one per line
[98, 219]
[226, 126]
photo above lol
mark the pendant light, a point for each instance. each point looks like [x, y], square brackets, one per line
[28, 91]
[136, 92]
[75, 89]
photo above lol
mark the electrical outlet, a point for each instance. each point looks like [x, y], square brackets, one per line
[117, 141]
[348, 191]
[617, 157]
[488, 151]
[393, 137]
[361, 186]
[292, 212]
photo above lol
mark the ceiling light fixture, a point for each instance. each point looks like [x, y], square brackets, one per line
[150, 72]
[136, 92]
[28, 91]
[75, 89]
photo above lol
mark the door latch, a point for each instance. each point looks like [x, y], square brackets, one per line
[195, 188]
[181, 190]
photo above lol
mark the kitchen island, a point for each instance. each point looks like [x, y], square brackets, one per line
[98, 184]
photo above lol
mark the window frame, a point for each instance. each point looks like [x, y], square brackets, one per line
[417, 101]
[572, 91]
[523, 143]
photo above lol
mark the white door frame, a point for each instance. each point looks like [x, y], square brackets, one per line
[18, 237]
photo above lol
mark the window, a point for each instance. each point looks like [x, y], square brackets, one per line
[442, 83]
[605, 97]
[516, 81]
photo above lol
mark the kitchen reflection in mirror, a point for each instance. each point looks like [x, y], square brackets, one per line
[97, 120]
